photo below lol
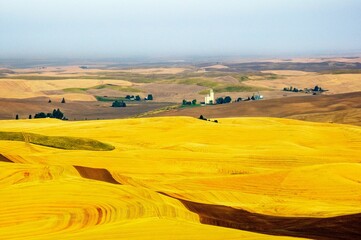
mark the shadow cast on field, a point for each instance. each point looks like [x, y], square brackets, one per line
[340, 227]
[5, 159]
[99, 174]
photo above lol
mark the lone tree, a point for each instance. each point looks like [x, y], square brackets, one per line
[194, 102]
[63, 100]
[202, 118]
[227, 99]
[150, 97]
[17, 116]
[50, 100]
[30, 117]
[137, 98]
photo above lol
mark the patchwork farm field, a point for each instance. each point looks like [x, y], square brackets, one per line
[179, 178]
[89, 91]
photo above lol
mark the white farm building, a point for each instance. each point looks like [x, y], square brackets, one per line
[209, 99]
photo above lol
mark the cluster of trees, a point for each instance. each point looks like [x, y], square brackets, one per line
[117, 103]
[138, 98]
[222, 100]
[205, 119]
[307, 90]
[292, 89]
[55, 114]
[185, 102]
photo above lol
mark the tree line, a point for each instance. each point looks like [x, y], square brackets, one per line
[56, 113]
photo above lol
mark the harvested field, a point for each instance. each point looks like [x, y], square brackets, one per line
[241, 178]
[335, 83]
[74, 110]
[13, 88]
[339, 108]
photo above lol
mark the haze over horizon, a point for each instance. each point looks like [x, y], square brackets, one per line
[111, 28]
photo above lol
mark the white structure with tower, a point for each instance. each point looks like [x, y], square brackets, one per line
[209, 99]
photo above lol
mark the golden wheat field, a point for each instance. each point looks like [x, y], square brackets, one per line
[179, 178]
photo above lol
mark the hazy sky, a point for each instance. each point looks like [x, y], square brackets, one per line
[122, 28]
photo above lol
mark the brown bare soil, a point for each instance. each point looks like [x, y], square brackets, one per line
[340, 227]
[324, 108]
[74, 110]
[99, 174]
[157, 70]
[172, 92]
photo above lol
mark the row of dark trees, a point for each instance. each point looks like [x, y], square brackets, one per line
[138, 98]
[294, 89]
[185, 102]
[219, 100]
[55, 114]
[205, 119]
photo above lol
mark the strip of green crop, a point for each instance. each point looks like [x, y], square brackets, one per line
[61, 142]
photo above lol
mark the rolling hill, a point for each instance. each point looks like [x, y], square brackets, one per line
[182, 178]
[337, 108]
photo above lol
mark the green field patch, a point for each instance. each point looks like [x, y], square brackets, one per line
[38, 77]
[75, 90]
[204, 92]
[61, 142]
[343, 71]
[199, 82]
[110, 99]
[241, 78]
[190, 106]
[103, 86]
[116, 87]
[234, 88]
[131, 77]
[272, 76]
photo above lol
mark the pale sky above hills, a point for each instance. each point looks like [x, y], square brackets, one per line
[122, 28]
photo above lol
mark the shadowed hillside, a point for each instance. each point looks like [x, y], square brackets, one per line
[339, 108]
